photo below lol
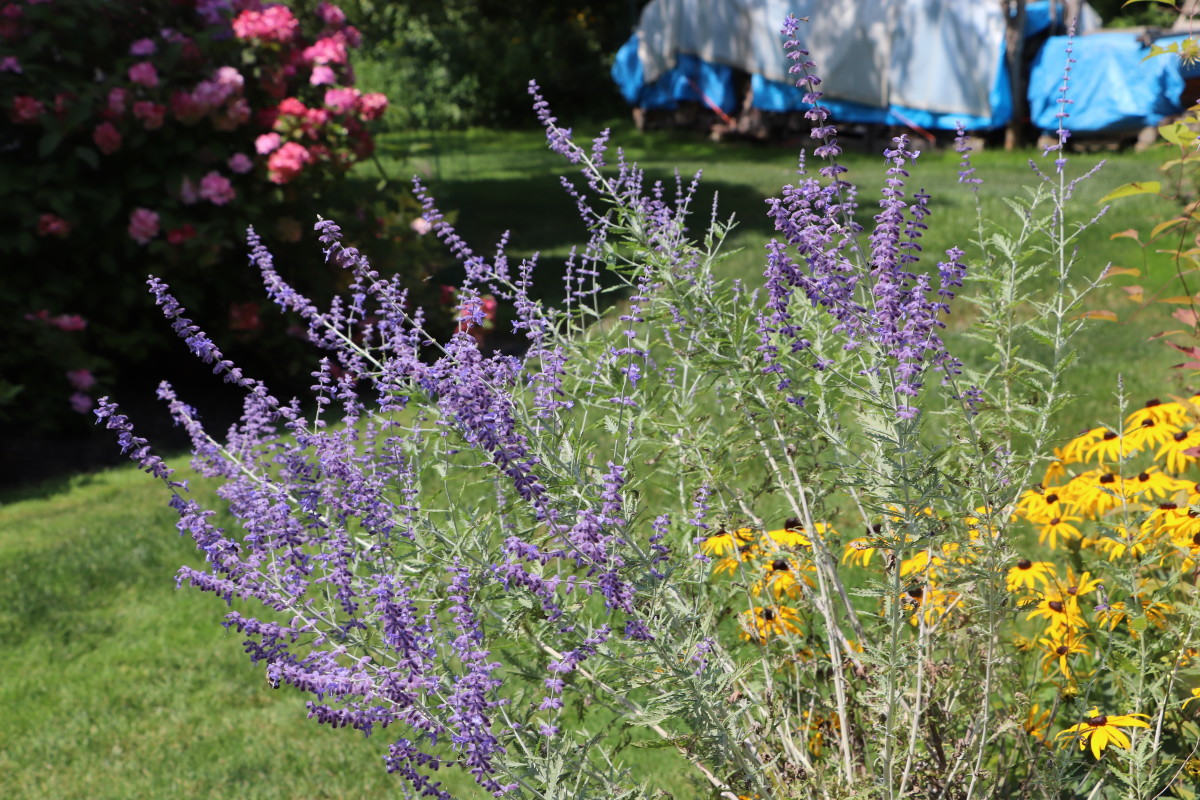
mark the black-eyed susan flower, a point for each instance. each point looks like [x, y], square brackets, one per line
[1149, 434]
[783, 577]
[1076, 585]
[1171, 412]
[1122, 541]
[1173, 454]
[1062, 615]
[1195, 696]
[1029, 575]
[1038, 505]
[1057, 528]
[1101, 730]
[724, 543]
[1095, 492]
[1056, 652]
[762, 622]
[1109, 448]
[1076, 450]
[1056, 470]
[858, 551]
[1036, 722]
[1150, 483]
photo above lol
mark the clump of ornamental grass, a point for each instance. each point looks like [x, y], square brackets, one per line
[472, 549]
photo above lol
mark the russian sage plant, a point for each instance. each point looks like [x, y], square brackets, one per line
[474, 549]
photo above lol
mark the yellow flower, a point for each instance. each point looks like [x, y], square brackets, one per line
[1095, 492]
[1110, 447]
[1056, 650]
[1077, 449]
[724, 543]
[1152, 483]
[1036, 722]
[783, 576]
[858, 551]
[1149, 433]
[1028, 574]
[1158, 411]
[1195, 696]
[1059, 527]
[1062, 615]
[761, 623]
[1172, 451]
[1100, 731]
[1077, 586]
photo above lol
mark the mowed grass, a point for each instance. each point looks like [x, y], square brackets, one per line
[115, 685]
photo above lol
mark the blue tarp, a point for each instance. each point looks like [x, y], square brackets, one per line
[1111, 87]
[691, 80]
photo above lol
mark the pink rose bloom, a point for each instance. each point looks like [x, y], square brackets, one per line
[107, 138]
[322, 76]
[216, 189]
[351, 36]
[315, 118]
[292, 107]
[186, 109]
[371, 106]
[286, 162]
[272, 24]
[144, 73]
[240, 163]
[187, 192]
[330, 14]
[230, 78]
[151, 114]
[267, 143]
[330, 50]
[81, 403]
[341, 101]
[143, 225]
[26, 110]
[181, 234]
[117, 98]
[53, 225]
[81, 379]
[210, 94]
[143, 47]
[10, 64]
[69, 323]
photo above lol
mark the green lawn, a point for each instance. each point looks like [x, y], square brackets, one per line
[115, 685]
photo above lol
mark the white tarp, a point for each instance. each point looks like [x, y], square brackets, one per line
[936, 55]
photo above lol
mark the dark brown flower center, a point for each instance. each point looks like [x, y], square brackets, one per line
[768, 614]
[1196, 539]
[916, 593]
[1146, 423]
[1051, 498]
[1061, 650]
[780, 565]
[1056, 606]
[1152, 402]
[1109, 478]
[1109, 436]
[1056, 520]
[1143, 476]
[1071, 590]
[1167, 507]
[793, 524]
[1024, 563]
[1179, 437]
[1096, 722]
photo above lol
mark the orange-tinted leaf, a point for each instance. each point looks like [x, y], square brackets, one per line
[1098, 314]
[1186, 315]
[1161, 335]
[1113, 269]
[1178, 300]
[1165, 226]
[1134, 292]
[1129, 234]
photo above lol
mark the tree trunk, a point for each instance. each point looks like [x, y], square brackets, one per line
[1014, 50]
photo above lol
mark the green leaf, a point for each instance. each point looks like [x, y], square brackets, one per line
[1131, 189]
[1170, 3]
[49, 141]
[88, 156]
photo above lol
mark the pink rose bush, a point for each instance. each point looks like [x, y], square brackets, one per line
[185, 121]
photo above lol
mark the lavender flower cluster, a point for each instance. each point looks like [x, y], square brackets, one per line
[440, 502]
